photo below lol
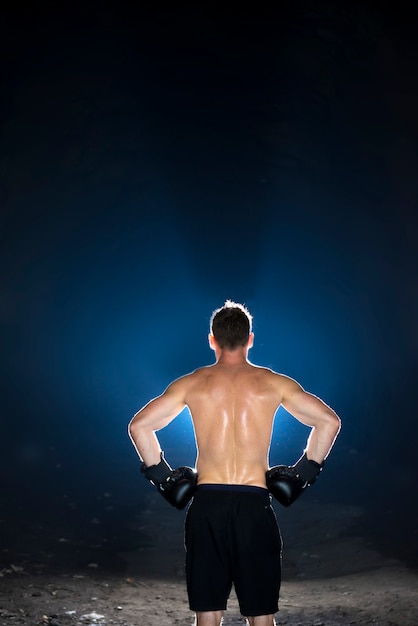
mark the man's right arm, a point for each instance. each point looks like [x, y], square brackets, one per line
[313, 412]
[287, 483]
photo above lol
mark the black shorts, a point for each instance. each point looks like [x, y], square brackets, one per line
[232, 537]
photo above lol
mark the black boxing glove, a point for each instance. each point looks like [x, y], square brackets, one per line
[286, 483]
[176, 486]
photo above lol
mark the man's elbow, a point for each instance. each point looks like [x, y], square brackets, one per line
[134, 427]
[333, 423]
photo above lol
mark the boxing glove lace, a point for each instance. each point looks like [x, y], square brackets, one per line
[176, 486]
[286, 483]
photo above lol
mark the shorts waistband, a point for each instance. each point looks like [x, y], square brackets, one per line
[224, 487]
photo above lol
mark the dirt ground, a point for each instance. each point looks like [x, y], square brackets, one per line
[101, 571]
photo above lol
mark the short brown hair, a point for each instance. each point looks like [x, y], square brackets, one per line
[231, 325]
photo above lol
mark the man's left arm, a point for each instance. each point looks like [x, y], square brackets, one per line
[154, 416]
[176, 486]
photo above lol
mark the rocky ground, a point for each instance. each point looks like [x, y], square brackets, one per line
[126, 568]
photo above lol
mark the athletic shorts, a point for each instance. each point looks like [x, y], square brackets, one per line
[232, 538]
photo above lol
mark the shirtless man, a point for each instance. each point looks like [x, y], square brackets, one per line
[231, 532]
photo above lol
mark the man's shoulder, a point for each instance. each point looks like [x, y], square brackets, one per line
[191, 376]
[271, 377]
[199, 371]
[267, 371]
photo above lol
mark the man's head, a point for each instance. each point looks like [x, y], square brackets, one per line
[231, 325]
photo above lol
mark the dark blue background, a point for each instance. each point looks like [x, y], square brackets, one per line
[156, 163]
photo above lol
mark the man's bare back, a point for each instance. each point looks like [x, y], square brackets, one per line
[233, 404]
[232, 407]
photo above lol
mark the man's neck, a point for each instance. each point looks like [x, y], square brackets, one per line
[232, 357]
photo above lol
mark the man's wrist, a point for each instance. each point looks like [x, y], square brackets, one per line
[157, 474]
